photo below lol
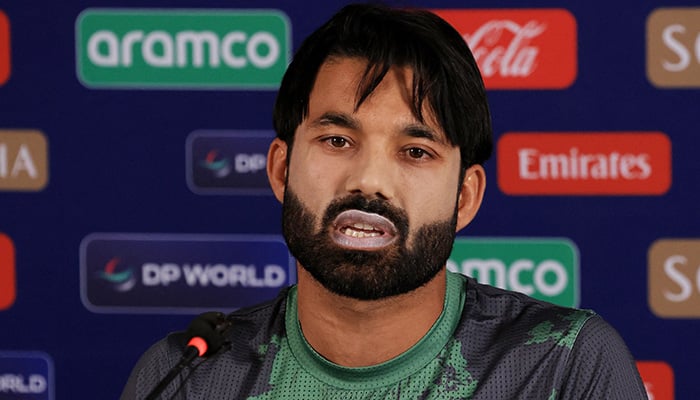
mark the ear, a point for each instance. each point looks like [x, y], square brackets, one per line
[471, 194]
[277, 167]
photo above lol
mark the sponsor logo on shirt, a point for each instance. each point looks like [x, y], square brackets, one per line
[8, 284]
[546, 269]
[673, 47]
[200, 48]
[593, 163]
[228, 162]
[674, 278]
[171, 273]
[520, 48]
[658, 379]
[5, 65]
[23, 160]
[26, 375]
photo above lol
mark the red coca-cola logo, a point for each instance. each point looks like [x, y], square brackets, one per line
[520, 49]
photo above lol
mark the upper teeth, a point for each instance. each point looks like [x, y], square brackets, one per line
[360, 234]
[363, 226]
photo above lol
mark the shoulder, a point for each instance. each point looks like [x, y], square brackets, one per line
[256, 323]
[516, 310]
[500, 325]
[249, 325]
[582, 355]
[601, 366]
[251, 328]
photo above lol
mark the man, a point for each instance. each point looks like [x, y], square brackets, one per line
[383, 127]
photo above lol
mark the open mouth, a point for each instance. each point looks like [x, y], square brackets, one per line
[361, 230]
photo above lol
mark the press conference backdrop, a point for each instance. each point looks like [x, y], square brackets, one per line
[133, 195]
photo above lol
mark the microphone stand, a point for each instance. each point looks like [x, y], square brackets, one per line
[190, 354]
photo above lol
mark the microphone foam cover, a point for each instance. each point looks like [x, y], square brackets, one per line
[207, 326]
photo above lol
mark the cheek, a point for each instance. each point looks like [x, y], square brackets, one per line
[319, 177]
[433, 200]
[310, 185]
[434, 210]
[311, 188]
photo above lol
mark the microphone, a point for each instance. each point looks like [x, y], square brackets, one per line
[205, 336]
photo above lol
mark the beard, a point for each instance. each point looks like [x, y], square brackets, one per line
[362, 274]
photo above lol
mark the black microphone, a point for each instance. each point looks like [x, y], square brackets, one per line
[205, 336]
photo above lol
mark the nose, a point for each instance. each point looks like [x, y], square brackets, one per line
[372, 174]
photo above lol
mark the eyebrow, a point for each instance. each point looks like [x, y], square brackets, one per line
[337, 119]
[416, 130]
[425, 132]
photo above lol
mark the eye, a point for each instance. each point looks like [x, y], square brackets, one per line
[417, 153]
[337, 141]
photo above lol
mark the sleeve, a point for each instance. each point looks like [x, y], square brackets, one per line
[600, 366]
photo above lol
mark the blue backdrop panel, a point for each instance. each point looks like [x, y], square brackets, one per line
[146, 140]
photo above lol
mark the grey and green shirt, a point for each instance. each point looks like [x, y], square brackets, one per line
[487, 344]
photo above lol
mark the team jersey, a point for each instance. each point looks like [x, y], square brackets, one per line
[487, 343]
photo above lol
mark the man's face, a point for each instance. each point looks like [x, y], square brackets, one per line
[370, 199]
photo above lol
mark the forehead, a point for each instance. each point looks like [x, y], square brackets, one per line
[353, 77]
[349, 81]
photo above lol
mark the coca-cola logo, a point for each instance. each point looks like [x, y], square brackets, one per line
[505, 47]
[520, 49]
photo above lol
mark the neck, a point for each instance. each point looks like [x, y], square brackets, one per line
[357, 333]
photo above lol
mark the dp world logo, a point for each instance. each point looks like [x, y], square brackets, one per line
[141, 48]
[219, 166]
[228, 162]
[181, 273]
[123, 280]
[546, 269]
[26, 375]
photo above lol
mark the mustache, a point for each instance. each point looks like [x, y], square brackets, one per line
[359, 202]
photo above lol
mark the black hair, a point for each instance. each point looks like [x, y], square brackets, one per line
[444, 72]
